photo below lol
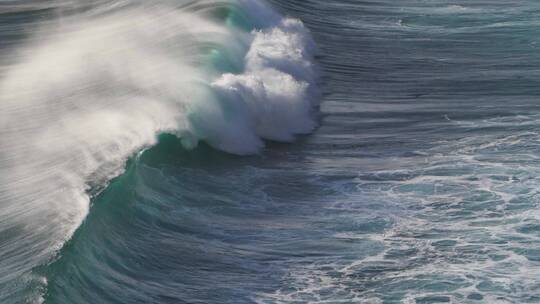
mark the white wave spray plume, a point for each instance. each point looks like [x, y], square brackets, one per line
[98, 87]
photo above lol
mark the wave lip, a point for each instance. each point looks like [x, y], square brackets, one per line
[102, 85]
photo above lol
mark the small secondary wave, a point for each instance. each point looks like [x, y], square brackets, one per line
[101, 85]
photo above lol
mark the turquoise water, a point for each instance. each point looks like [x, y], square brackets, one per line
[414, 180]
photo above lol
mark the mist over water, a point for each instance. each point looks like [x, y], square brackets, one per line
[175, 152]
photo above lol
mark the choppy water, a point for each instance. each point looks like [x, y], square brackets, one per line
[420, 184]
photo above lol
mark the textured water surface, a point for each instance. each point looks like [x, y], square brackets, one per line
[419, 185]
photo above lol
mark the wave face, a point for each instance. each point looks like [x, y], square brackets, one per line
[96, 83]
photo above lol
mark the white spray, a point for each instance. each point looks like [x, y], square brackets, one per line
[96, 90]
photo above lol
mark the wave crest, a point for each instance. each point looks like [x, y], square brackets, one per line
[101, 87]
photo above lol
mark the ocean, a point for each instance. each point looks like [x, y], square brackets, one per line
[287, 151]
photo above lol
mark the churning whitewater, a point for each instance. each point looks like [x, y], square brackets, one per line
[92, 88]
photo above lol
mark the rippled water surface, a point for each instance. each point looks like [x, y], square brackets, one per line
[420, 184]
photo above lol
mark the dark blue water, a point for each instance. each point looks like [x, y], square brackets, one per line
[419, 185]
